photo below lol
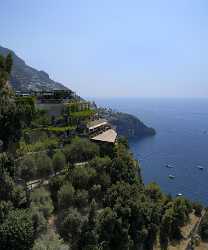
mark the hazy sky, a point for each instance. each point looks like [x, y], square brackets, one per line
[113, 47]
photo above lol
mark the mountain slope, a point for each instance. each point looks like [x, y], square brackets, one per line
[24, 77]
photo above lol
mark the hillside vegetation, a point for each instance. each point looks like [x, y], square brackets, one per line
[75, 194]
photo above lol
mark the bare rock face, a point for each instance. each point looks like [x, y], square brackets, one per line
[24, 77]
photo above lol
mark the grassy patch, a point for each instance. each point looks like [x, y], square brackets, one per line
[84, 113]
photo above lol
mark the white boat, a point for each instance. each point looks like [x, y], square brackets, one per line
[171, 176]
[179, 194]
[168, 166]
[200, 167]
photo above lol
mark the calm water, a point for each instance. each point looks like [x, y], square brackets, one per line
[181, 140]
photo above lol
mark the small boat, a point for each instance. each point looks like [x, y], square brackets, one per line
[179, 194]
[168, 166]
[171, 176]
[200, 167]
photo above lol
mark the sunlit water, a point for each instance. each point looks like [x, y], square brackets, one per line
[181, 140]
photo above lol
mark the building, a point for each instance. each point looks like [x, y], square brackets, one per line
[101, 131]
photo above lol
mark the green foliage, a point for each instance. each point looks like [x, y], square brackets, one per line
[7, 164]
[41, 118]
[14, 116]
[7, 187]
[50, 241]
[66, 196]
[39, 222]
[89, 235]
[44, 165]
[113, 231]
[26, 110]
[9, 191]
[82, 114]
[5, 208]
[54, 187]
[48, 143]
[81, 199]
[153, 192]
[124, 141]
[60, 129]
[70, 226]
[5, 68]
[8, 63]
[59, 161]
[83, 176]
[101, 203]
[16, 233]
[41, 200]
[27, 168]
[103, 169]
[80, 150]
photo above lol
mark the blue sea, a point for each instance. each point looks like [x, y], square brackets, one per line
[181, 140]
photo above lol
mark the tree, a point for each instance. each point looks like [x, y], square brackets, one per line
[28, 168]
[55, 185]
[112, 231]
[5, 208]
[81, 199]
[39, 222]
[83, 177]
[70, 226]
[16, 233]
[80, 150]
[66, 196]
[41, 200]
[44, 165]
[7, 164]
[154, 192]
[89, 236]
[59, 161]
[8, 63]
[12, 115]
[166, 228]
[6, 188]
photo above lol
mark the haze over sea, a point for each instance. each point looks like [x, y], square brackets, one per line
[181, 140]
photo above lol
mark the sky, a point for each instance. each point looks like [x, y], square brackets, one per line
[113, 48]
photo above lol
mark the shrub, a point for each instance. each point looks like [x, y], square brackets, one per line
[39, 222]
[50, 241]
[16, 233]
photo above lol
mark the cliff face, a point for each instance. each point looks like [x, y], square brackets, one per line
[127, 125]
[24, 77]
